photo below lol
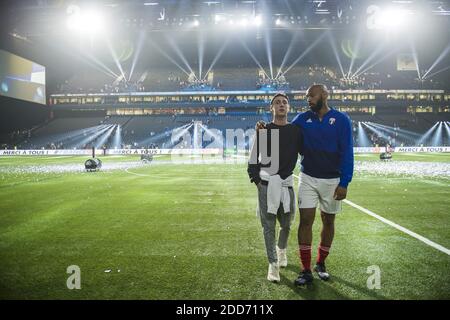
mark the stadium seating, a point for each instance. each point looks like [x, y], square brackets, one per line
[141, 131]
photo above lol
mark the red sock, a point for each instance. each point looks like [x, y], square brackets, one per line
[305, 256]
[322, 253]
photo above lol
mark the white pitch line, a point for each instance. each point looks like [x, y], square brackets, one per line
[137, 174]
[397, 226]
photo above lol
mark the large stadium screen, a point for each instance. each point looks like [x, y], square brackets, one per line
[21, 78]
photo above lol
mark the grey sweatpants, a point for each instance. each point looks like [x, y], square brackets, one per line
[268, 222]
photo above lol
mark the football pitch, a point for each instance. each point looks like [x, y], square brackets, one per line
[190, 231]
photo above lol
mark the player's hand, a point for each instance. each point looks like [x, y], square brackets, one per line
[260, 125]
[340, 193]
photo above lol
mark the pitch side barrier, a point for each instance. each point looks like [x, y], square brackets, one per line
[207, 151]
[101, 152]
[378, 150]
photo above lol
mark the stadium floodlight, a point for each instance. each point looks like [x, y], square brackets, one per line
[356, 51]
[243, 22]
[391, 19]
[336, 53]
[85, 22]
[166, 136]
[427, 134]
[218, 55]
[157, 47]
[218, 18]
[101, 129]
[201, 51]
[287, 54]
[117, 142]
[372, 128]
[436, 62]
[197, 139]
[179, 53]
[360, 70]
[257, 20]
[435, 73]
[115, 57]
[437, 138]
[140, 43]
[363, 140]
[447, 129]
[101, 141]
[253, 56]
[415, 56]
[397, 132]
[305, 52]
[400, 131]
[268, 42]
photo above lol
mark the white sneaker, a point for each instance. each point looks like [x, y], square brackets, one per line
[274, 272]
[282, 257]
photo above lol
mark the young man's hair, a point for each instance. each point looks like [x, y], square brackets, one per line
[280, 94]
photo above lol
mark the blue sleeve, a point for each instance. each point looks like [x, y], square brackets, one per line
[296, 120]
[346, 152]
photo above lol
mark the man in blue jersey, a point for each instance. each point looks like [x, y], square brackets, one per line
[327, 169]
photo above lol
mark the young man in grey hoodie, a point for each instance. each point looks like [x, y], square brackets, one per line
[273, 178]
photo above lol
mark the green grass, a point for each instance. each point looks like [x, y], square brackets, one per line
[190, 232]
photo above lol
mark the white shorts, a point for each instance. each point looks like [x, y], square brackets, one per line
[314, 190]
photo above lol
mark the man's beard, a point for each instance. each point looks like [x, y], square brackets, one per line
[318, 106]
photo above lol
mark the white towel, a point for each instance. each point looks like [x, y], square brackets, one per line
[277, 192]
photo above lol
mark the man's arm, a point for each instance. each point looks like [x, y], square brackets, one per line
[346, 153]
[300, 141]
[254, 167]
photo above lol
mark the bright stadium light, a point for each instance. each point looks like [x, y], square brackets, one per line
[363, 140]
[243, 22]
[218, 18]
[437, 137]
[447, 129]
[427, 134]
[257, 21]
[86, 22]
[443, 54]
[391, 19]
[117, 142]
[104, 138]
[372, 128]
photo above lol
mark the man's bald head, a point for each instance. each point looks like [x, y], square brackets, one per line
[318, 88]
[317, 96]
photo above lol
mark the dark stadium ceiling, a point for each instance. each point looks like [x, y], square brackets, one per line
[56, 32]
[31, 19]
